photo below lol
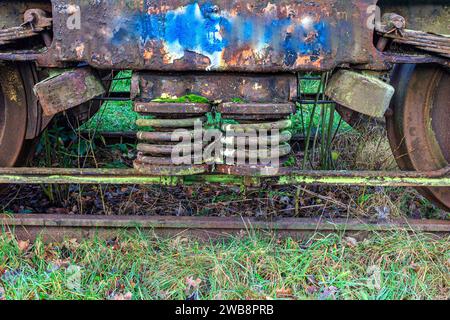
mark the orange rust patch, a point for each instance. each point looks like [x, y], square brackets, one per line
[243, 57]
[290, 29]
[148, 54]
[158, 10]
[306, 60]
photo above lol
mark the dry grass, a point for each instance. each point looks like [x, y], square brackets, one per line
[366, 148]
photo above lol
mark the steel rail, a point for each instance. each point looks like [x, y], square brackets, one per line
[284, 176]
[57, 227]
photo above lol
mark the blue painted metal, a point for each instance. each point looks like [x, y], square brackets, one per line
[218, 35]
[200, 29]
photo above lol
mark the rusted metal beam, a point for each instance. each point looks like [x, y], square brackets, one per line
[57, 227]
[216, 86]
[256, 111]
[172, 110]
[284, 176]
[249, 36]
[219, 35]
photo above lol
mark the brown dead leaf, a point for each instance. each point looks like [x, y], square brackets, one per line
[23, 245]
[311, 289]
[416, 267]
[284, 293]
[329, 293]
[189, 192]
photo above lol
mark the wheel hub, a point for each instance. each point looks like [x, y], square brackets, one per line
[418, 128]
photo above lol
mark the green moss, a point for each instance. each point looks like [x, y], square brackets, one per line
[237, 100]
[190, 98]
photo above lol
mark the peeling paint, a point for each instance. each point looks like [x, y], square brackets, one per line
[207, 31]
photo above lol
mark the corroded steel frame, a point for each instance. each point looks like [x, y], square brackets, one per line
[217, 35]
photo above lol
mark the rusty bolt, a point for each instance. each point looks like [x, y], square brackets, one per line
[37, 18]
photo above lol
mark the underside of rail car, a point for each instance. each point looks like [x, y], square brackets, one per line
[386, 59]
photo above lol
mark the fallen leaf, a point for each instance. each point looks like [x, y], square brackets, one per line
[193, 284]
[58, 264]
[73, 243]
[415, 267]
[329, 293]
[311, 289]
[284, 293]
[23, 245]
[351, 242]
[122, 297]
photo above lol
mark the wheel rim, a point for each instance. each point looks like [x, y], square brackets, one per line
[418, 130]
[13, 115]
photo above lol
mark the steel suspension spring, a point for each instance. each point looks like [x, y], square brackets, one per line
[170, 142]
[256, 137]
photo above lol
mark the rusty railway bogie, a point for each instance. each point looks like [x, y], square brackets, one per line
[250, 51]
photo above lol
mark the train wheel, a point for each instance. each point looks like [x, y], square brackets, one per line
[13, 114]
[417, 128]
